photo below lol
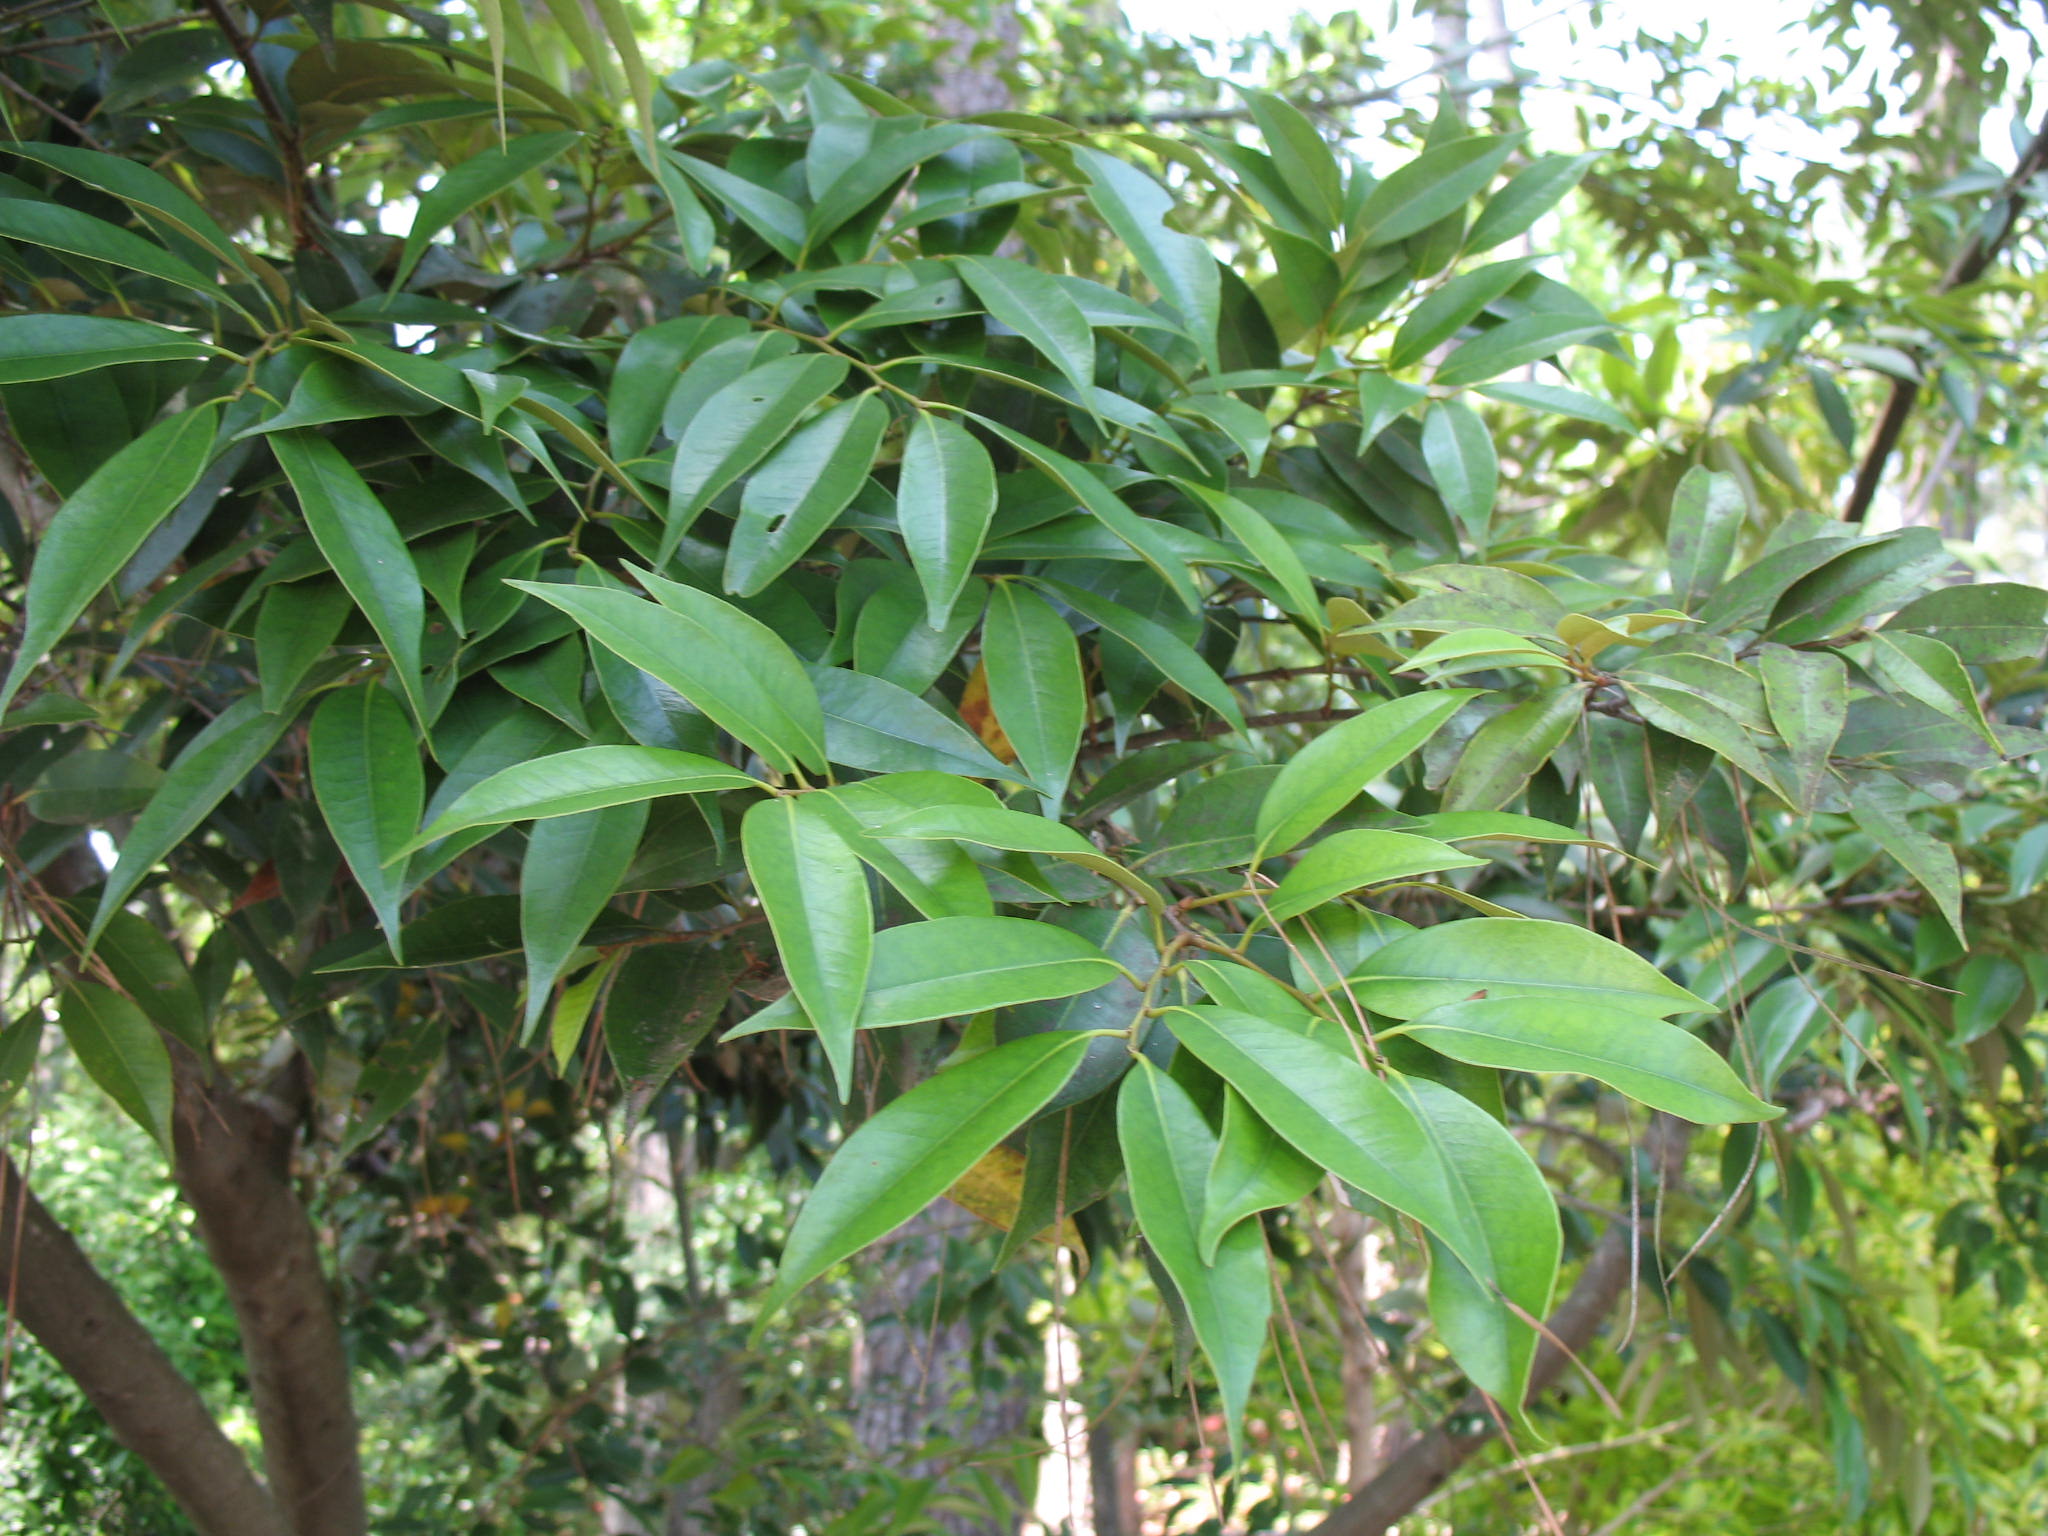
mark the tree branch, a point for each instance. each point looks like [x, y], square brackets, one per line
[69, 1308]
[1970, 263]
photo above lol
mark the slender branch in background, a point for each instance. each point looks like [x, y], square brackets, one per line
[1970, 263]
[103, 35]
[291, 156]
[1207, 728]
[22, 93]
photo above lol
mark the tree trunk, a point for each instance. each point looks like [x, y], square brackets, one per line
[973, 62]
[68, 1307]
[1113, 1479]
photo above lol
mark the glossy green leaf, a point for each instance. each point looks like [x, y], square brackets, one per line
[1654, 1063]
[1255, 1169]
[1431, 187]
[945, 499]
[1034, 305]
[582, 779]
[1334, 769]
[1981, 621]
[365, 762]
[101, 525]
[1707, 512]
[1807, 693]
[573, 865]
[1035, 684]
[163, 205]
[1504, 752]
[1460, 455]
[1532, 192]
[1168, 1148]
[1269, 548]
[474, 181]
[363, 545]
[59, 228]
[295, 627]
[649, 364]
[1179, 265]
[1867, 576]
[872, 724]
[149, 969]
[122, 1052]
[736, 428]
[1452, 307]
[1178, 662]
[1020, 833]
[36, 347]
[1515, 344]
[915, 1148]
[815, 893]
[1514, 957]
[1383, 400]
[807, 482]
[767, 213]
[212, 763]
[1348, 861]
[728, 664]
[1924, 668]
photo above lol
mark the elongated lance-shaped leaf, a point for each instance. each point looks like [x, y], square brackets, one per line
[1020, 832]
[1267, 545]
[914, 1149]
[476, 179]
[945, 499]
[1034, 305]
[728, 664]
[1432, 186]
[573, 865]
[1880, 810]
[122, 1052]
[34, 347]
[1178, 662]
[873, 724]
[363, 545]
[213, 763]
[1035, 685]
[1168, 1149]
[1350, 860]
[807, 482]
[1514, 957]
[58, 228]
[736, 428]
[815, 893]
[163, 205]
[102, 524]
[1180, 266]
[1807, 693]
[1255, 1169]
[1331, 771]
[1461, 458]
[581, 779]
[365, 760]
[1707, 512]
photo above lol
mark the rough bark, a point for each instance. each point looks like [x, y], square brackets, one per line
[233, 1165]
[68, 1308]
[1113, 1480]
[973, 60]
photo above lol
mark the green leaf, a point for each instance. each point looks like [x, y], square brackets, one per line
[914, 1149]
[363, 545]
[1020, 833]
[1035, 685]
[1879, 808]
[1685, 713]
[1177, 661]
[36, 347]
[1255, 1169]
[649, 364]
[477, 179]
[768, 214]
[1504, 752]
[872, 724]
[165, 207]
[1924, 668]
[806, 483]
[212, 764]
[1558, 401]
[1707, 511]
[101, 525]
[1654, 1063]
[1334, 769]
[122, 1052]
[1459, 453]
[59, 228]
[1180, 266]
[664, 1002]
[1382, 400]
[735, 428]
[1514, 957]
[945, 499]
[1991, 986]
[91, 786]
[1515, 344]
[1473, 826]
[1981, 621]
[295, 627]
[1532, 192]
[1270, 550]
[573, 865]
[811, 885]
[728, 664]
[952, 967]
[870, 175]
[1432, 186]
[1168, 1148]
[1347, 861]
[1301, 156]
[1869, 576]
[148, 967]
[1451, 308]
[21, 1042]
[582, 779]
[1034, 305]
[365, 761]
[1807, 693]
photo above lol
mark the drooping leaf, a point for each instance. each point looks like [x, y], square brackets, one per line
[1034, 305]
[872, 724]
[1707, 512]
[365, 762]
[573, 865]
[581, 779]
[1532, 192]
[1255, 1169]
[34, 347]
[1180, 265]
[1451, 308]
[736, 428]
[945, 499]
[1808, 696]
[122, 1052]
[1880, 809]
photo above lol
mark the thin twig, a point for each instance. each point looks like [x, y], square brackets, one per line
[103, 35]
[22, 92]
[289, 152]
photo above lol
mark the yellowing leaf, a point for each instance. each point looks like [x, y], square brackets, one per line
[993, 1189]
[980, 715]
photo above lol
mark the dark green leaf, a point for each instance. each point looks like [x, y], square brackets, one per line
[1706, 520]
[122, 1052]
[365, 762]
[945, 499]
[573, 865]
[1035, 684]
[735, 428]
[56, 346]
[806, 483]
[474, 181]
[1513, 957]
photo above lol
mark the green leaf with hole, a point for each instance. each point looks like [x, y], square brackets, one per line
[793, 497]
[365, 762]
[736, 428]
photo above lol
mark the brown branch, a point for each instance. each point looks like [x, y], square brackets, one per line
[291, 156]
[1970, 263]
[69, 1308]
[23, 93]
[1203, 730]
[102, 35]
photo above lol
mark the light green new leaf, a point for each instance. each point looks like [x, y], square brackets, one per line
[1035, 685]
[1707, 511]
[122, 1052]
[811, 885]
[872, 724]
[1460, 455]
[1514, 957]
[36, 347]
[736, 427]
[807, 482]
[1334, 769]
[1880, 809]
[914, 1149]
[1020, 832]
[572, 868]
[1432, 186]
[945, 499]
[1654, 1063]
[1167, 1149]
[582, 779]
[101, 525]
[1347, 861]
[1034, 305]
[363, 545]
[1180, 266]
[1180, 663]
[1807, 693]
[213, 763]
[476, 179]
[725, 662]
[1255, 1169]
[1515, 344]
[365, 762]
